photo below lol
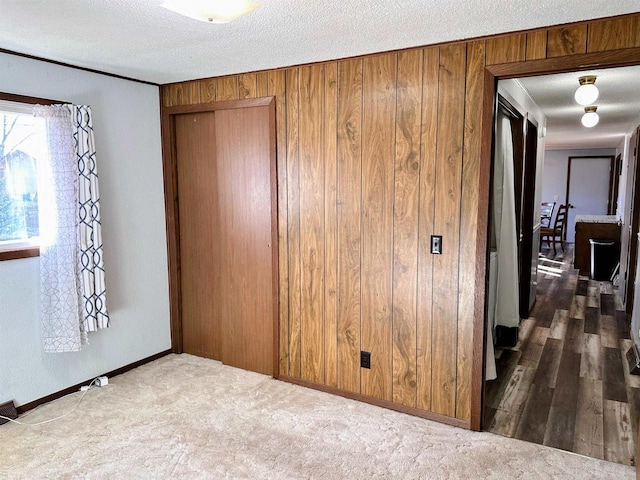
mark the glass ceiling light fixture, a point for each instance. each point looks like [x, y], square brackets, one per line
[211, 11]
[587, 93]
[590, 118]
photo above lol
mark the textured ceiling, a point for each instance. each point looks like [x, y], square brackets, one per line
[138, 39]
[618, 107]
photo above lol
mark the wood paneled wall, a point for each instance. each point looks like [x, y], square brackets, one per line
[375, 155]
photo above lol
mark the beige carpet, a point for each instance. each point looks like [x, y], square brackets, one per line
[188, 417]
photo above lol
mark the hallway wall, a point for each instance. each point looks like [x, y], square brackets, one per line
[554, 177]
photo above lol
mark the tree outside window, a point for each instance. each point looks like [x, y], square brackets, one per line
[22, 141]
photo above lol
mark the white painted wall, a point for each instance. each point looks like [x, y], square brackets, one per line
[623, 150]
[127, 130]
[554, 179]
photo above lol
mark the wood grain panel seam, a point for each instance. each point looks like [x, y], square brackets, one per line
[419, 193]
[286, 146]
[546, 47]
[299, 213]
[337, 232]
[338, 201]
[324, 218]
[484, 58]
[291, 215]
[335, 219]
[393, 209]
[457, 296]
[361, 193]
[278, 90]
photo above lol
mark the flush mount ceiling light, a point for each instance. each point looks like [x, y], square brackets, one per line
[590, 117]
[587, 93]
[211, 11]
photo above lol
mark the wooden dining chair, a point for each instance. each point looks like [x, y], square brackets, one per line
[554, 235]
[546, 213]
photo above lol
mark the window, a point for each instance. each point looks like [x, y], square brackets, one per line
[23, 143]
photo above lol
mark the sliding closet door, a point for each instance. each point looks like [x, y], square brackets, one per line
[200, 281]
[225, 221]
[244, 246]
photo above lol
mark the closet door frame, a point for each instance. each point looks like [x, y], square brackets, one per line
[171, 195]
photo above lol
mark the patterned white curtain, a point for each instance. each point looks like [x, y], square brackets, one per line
[94, 314]
[72, 287]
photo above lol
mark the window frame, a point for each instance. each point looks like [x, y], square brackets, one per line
[23, 249]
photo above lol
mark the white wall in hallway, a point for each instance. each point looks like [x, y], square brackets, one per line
[554, 175]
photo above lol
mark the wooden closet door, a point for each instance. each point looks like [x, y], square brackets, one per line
[244, 248]
[225, 218]
[195, 141]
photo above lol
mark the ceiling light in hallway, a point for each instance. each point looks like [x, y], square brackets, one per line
[590, 117]
[587, 93]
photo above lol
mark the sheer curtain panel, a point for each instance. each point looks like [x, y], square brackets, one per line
[72, 287]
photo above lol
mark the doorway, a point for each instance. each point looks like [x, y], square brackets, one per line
[570, 361]
[514, 237]
[223, 263]
[589, 186]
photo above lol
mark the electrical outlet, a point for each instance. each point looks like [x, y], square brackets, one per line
[102, 381]
[365, 359]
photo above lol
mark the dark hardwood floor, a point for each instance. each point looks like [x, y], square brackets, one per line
[566, 383]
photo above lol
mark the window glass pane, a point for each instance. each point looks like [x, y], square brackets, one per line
[22, 144]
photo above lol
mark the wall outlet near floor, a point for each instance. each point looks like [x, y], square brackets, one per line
[365, 359]
[102, 381]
